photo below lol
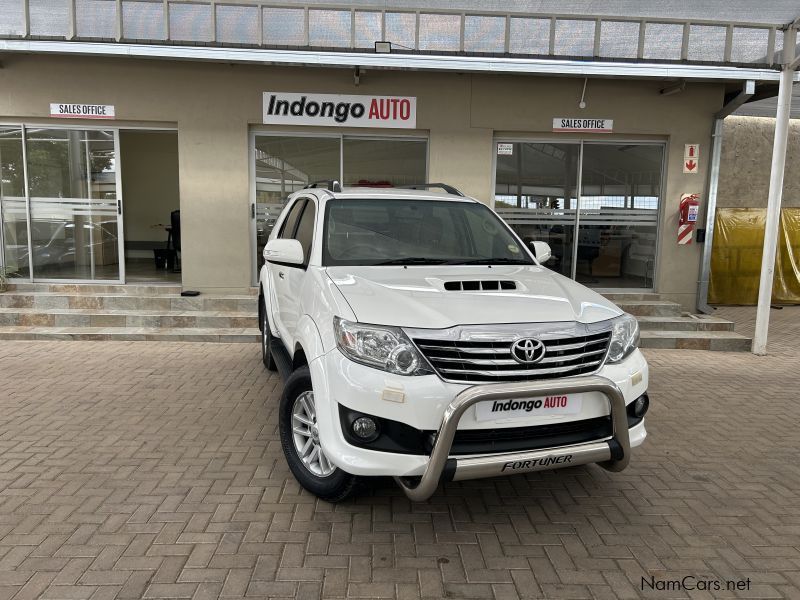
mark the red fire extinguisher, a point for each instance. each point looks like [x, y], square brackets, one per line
[689, 209]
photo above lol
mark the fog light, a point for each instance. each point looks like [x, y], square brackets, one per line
[640, 406]
[365, 428]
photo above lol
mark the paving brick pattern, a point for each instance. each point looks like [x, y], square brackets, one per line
[153, 470]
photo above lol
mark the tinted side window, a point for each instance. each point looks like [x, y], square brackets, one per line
[287, 228]
[305, 230]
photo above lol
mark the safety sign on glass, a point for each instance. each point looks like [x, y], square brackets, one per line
[505, 149]
[691, 158]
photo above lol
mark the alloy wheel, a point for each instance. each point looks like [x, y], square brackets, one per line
[305, 434]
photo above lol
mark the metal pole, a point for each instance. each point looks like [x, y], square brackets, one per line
[24, 133]
[578, 196]
[775, 193]
[713, 185]
[711, 215]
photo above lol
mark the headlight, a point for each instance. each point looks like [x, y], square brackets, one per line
[624, 338]
[386, 348]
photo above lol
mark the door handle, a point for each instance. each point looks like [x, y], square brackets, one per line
[280, 274]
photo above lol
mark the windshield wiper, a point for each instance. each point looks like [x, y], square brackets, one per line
[411, 260]
[489, 261]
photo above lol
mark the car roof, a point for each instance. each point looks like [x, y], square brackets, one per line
[374, 193]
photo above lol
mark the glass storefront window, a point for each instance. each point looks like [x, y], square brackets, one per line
[13, 207]
[287, 163]
[615, 214]
[73, 203]
[618, 222]
[384, 162]
[536, 193]
[57, 163]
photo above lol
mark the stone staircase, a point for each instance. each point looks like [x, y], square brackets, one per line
[158, 312]
[663, 324]
[125, 313]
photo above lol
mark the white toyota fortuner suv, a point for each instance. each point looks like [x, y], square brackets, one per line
[419, 338]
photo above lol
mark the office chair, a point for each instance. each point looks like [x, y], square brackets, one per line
[175, 237]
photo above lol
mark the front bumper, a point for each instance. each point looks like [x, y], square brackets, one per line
[613, 454]
[422, 401]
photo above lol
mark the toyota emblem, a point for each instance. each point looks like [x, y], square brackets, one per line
[528, 351]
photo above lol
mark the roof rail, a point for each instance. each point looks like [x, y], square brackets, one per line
[426, 186]
[326, 184]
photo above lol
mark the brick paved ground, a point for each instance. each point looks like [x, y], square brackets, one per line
[154, 470]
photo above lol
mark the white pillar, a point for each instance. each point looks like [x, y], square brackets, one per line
[775, 193]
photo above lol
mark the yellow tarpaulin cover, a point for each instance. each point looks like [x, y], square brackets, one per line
[736, 257]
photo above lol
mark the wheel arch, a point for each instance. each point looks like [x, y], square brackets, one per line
[307, 344]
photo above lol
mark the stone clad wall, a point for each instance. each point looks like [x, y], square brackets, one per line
[746, 160]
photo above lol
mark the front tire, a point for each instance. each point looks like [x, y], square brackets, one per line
[300, 442]
[266, 340]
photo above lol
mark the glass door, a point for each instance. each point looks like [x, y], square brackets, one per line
[596, 204]
[618, 221]
[70, 225]
[536, 192]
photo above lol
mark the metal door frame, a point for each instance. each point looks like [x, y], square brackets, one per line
[118, 192]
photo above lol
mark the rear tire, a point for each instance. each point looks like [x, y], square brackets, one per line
[266, 340]
[300, 442]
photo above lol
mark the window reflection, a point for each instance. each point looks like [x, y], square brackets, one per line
[615, 245]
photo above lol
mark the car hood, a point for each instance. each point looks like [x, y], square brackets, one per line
[416, 296]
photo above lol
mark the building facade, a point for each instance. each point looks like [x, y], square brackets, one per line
[156, 142]
[192, 136]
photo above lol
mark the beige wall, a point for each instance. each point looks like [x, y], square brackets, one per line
[746, 160]
[216, 105]
[150, 189]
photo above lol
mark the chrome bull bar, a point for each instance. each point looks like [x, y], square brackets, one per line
[612, 454]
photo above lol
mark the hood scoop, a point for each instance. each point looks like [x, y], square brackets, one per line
[480, 285]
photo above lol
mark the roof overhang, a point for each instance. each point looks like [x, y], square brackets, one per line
[419, 62]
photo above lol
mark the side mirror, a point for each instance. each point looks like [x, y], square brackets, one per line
[284, 251]
[542, 251]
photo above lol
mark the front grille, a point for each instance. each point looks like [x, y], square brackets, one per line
[517, 439]
[492, 361]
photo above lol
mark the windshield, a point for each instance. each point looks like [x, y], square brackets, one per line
[416, 232]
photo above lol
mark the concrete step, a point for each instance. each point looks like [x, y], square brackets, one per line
[630, 296]
[650, 308]
[696, 340]
[96, 288]
[684, 323]
[90, 317]
[162, 302]
[91, 289]
[129, 334]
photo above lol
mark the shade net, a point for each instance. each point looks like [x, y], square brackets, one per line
[737, 251]
[729, 33]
